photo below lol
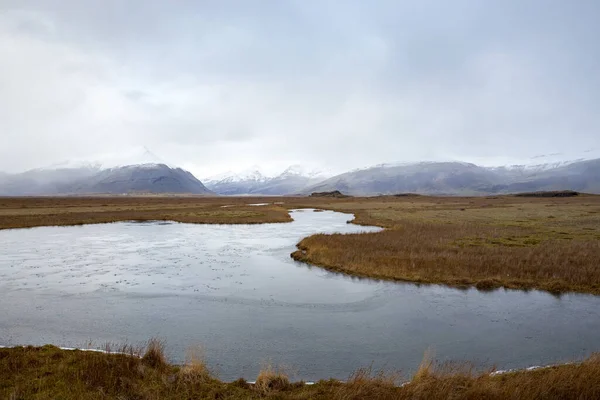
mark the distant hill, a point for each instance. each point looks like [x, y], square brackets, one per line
[457, 178]
[44, 181]
[140, 178]
[423, 178]
[581, 176]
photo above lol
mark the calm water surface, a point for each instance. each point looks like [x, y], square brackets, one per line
[235, 291]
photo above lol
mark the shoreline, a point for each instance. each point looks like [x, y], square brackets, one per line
[88, 373]
[136, 352]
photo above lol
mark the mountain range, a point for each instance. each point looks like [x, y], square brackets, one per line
[458, 178]
[292, 180]
[432, 178]
[128, 179]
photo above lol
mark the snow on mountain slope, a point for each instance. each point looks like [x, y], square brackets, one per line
[135, 156]
[460, 178]
[252, 174]
[546, 162]
[299, 170]
[138, 170]
[252, 181]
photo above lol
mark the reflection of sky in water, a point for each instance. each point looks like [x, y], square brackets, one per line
[246, 261]
[236, 291]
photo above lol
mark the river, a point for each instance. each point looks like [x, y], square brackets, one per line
[235, 291]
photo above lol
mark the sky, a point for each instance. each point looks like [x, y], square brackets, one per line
[223, 85]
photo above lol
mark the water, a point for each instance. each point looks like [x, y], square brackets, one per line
[235, 291]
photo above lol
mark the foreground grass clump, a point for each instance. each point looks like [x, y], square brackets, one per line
[512, 242]
[50, 373]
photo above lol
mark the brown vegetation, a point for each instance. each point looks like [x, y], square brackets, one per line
[50, 373]
[271, 380]
[29, 212]
[551, 244]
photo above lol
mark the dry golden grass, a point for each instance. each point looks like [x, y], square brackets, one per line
[50, 373]
[194, 371]
[513, 242]
[155, 354]
[46, 211]
[270, 380]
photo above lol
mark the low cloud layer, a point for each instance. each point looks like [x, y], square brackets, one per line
[216, 86]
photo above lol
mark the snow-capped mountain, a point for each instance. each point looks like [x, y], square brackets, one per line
[134, 156]
[253, 182]
[551, 161]
[252, 174]
[149, 175]
[140, 178]
[461, 178]
[72, 164]
[137, 171]
[299, 170]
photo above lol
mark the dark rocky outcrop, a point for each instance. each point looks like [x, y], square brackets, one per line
[335, 193]
[555, 193]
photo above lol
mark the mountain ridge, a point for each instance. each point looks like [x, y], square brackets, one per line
[128, 179]
[428, 177]
[293, 179]
[459, 178]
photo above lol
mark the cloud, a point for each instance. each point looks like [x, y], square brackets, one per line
[219, 86]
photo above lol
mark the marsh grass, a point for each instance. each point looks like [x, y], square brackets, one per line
[31, 212]
[271, 379]
[50, 373]
[154, 355]
[505, 242]
[194, 371]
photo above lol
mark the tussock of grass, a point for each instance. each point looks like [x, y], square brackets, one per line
[155, 354]
[270, 380]
[195, 370]
[365, 383]
[47, 372]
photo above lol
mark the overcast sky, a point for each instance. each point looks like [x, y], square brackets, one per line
[219, 85]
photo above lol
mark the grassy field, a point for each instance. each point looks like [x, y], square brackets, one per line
[550, 244]
[50, 373]
[44, 211]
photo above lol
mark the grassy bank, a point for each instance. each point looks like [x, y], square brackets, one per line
[551, 244]
[50, 373]
[48, 211]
